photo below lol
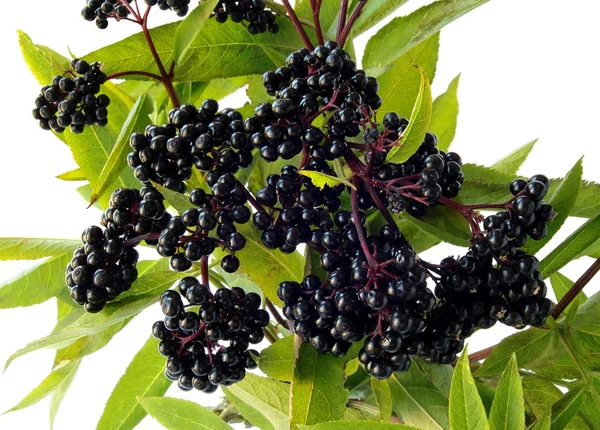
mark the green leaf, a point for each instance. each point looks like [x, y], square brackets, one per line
[48, 385]
[176, 414]
[356, 425]
[149, 287]
[578, 241]
[508, 410]
[267, 268]
[545, 422]
[117, 160]
[262, 401]
[417, 401]
[539, 394]
[58, 395]
[562, 201]
[179, 202]
[444, 116]
[383, 395]
[466, 407]
[401, 83]
[374, 12]
[277, 360]
[561, 285]
[528, 345]
[444, 224]
[439, 374]
[143, 378]
[587, 204]
[322, 180]
[26, 248]
[418, 124]
[405, 32]
[317, 393]
[566, 408]
[189, 29]
[43, 62]
[219, 88]
[228, 50]
[36, 284]
[73, 175]
[513, 162]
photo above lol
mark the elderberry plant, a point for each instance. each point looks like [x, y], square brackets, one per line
[289, 233]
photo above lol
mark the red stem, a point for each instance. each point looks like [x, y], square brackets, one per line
[298, 25]
[135, 72]
[341, 19]
[204, 268]
[271, 307]
[315, 5]
[348, 27]
[576, 289]
[359, 227]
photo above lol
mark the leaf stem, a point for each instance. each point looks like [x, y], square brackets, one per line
[297, 24]
[271, 307]
[576, 289]
[135, 72]
[204, 268]
[359, 227]
[348, 27]
[315, 5]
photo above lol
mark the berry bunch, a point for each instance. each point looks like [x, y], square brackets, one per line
[180, 7]
[186, 238]
[383, 295]
[303, 205]
[312, 83]
[73, 100]
[252, 13]
[105, 266]
[211, 141]
[191, 339]
[101, 10]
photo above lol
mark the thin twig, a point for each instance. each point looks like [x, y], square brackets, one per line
[342, 19]
[348, 27]
[134, 72]
[315, 5]
[297, 24]
[576, 289]
[271, 307]
[481, 355]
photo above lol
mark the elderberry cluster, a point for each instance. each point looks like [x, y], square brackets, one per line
[303, 206]
[73, 100]
[104, 266]
[186, 238]
[210, 141]
[191, 339]
[311, 83]
[253, 13]
[101, 10]
[180, 7]
[386, 298]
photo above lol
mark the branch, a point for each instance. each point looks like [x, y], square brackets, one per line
[576, 289]
[315, 5]
[481, 355]
[271, 307]
[348, 27]
[298, 25]
[134, 72]
[342, 19]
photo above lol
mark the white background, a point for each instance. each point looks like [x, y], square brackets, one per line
[529, 69]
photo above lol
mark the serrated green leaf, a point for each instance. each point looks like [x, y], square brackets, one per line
[228, 50]
[578, 241]
[401, 83]
[403, 33]
[513, 162]
[444, 224]
[374, 12]
[317, 393]
[143, 378]
[220, 88]
[72, 175]
[47, 386]
[322, 180]
[487, 394]
[43, 62]
[539, 394]
[508, 409]
[527, 345]
[277, 360]
[189, 29]
[179, 202]
[262, 401]
[29, 248]
[383, 395]
[267, 268]
[566, 408]
[117, 160]
[466, 407]
[545, 422]
[59, 394]
[176, 414]
[36, 284]
[587, 204]
[417, 401]
[149, 288]
[418, 124]
[444, 116]
[356, 425]
[561, 285]
[439, 374]
[562, 201]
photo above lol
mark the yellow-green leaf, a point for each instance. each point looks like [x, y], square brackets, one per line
[466, 407]
[508, 409]
[176, 414]
[322, 180]
[444, 116]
